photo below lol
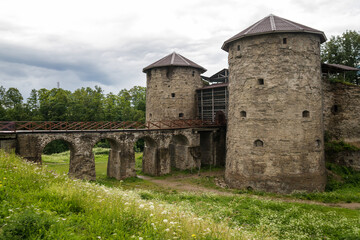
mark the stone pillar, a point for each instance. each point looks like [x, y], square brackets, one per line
[150, 160]
[127, 160]
[163, 161]
[82, 161]
[114, 164]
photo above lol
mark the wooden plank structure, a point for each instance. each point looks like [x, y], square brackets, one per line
[213, 99]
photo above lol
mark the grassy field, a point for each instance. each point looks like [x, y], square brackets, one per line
[139, 209]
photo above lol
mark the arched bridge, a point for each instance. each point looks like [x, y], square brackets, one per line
[180, 144]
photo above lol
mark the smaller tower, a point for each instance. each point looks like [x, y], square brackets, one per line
[171, 88]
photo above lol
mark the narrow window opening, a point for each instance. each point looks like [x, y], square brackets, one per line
[261, 81]
[284, 40]
[258, 143]
[242, 114]
[193, 73]
[238, 47]
[335, 109]
[306, 114]
[318, 143]
[173, 95]
[150, 115]
[181, 115]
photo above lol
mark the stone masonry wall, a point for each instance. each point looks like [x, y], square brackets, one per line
[275, 123]
[342, 111]
[171, 91]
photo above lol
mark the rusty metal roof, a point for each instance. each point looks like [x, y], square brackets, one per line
[273, 24]
[174, 59]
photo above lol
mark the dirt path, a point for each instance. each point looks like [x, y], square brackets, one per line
[179, 183]
[173, 183]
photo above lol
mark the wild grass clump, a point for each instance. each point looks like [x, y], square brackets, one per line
[36, 203]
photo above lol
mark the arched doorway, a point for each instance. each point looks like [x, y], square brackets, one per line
[57, 155]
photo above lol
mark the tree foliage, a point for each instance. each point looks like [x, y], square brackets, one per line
[84, 104]
[344, 49]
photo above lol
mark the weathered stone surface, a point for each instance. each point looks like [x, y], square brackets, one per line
[342, 111]
[170, 93]
[163, 148]
[345, 158]
[213, 146]
[8, 142]
[275, 148]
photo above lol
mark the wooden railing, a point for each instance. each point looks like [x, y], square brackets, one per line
[99, 126]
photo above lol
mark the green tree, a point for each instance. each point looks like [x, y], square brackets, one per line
[111, 107]
[2, 103]
[14, 108]
[138, 97]
[344, 49]
[86, 104]
[53, 104]
[33, 106]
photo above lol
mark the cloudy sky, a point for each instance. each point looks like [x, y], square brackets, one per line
[81, 43]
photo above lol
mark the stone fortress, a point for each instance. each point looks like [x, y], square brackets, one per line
[277, 102]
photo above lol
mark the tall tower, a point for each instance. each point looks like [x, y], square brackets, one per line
[171, 88]
[275, 123]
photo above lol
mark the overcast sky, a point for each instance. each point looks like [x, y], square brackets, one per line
[83, 43]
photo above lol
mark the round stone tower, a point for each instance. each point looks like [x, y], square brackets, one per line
[275, 123]
[171, 88]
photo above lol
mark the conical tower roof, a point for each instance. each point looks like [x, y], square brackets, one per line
[273, 24]
[174, 59]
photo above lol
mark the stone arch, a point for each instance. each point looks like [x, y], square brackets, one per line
[178, 148]
[71, 145]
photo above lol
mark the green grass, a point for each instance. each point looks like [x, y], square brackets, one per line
[36, 203]
[347, 190]
[245, 213]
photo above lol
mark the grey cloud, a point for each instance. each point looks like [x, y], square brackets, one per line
[86, 70]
